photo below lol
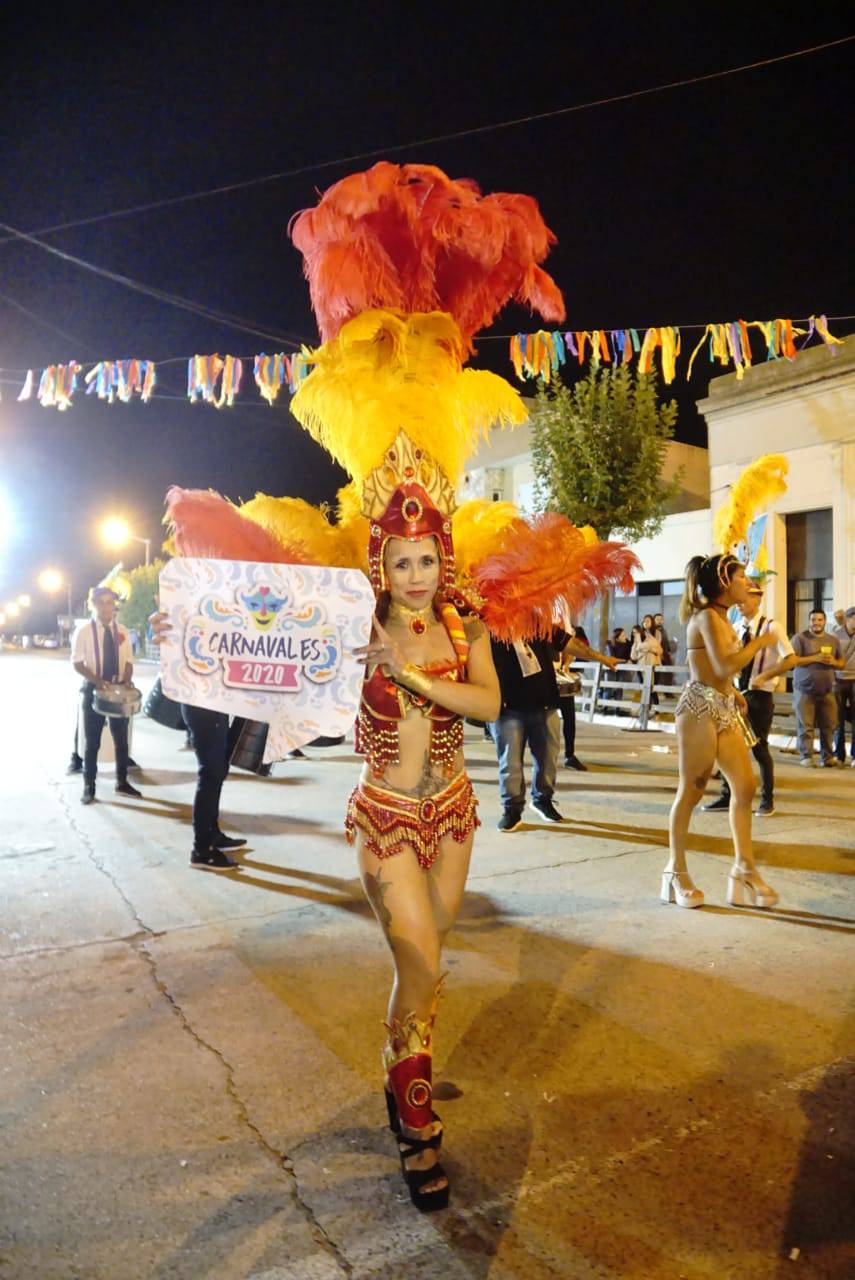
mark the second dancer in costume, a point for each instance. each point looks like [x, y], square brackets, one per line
[708, 722]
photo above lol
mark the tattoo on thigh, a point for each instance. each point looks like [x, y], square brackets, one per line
[376, 889]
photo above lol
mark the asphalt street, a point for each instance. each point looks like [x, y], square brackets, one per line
[191, 1081]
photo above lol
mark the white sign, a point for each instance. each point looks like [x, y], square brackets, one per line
[270, 642]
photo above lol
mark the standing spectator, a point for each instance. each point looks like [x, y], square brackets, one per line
[620, 648]
[844, 688]
[813, 689]
[647, 650]
[528, 715]
[667, 646]
[646, 647]
[101, 653]
[577, 647]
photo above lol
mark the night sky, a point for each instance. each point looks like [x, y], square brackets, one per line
[717, 200]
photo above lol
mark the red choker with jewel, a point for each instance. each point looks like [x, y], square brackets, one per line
[418, 620]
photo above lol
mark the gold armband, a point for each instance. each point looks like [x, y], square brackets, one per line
[412, 677]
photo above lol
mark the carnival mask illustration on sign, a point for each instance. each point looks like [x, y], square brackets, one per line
[263, 607]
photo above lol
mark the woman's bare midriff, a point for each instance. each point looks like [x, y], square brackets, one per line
[415, 776]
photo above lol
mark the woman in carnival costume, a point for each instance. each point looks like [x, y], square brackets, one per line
[710, 714]
[418, 262]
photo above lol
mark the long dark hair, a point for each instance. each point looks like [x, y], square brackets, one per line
[707, 577]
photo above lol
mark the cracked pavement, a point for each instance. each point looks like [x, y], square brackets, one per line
[190, 1061]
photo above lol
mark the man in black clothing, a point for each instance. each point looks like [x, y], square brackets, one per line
[529, 715]
[209, 736]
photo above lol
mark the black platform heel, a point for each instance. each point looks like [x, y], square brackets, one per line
[425, 1201]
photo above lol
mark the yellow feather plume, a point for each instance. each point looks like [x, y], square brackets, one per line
[479, 528]
[353, 523]
[297, 522]
[760, 484]
[389, 370]
[118, 580]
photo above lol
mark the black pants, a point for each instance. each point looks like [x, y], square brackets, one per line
[93, 727]
[209, 732]
[761, 708]
[568, 724]
[845, 691]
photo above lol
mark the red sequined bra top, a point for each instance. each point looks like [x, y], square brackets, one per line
[384, 704]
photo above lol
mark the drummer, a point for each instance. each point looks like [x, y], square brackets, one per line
[101, 653]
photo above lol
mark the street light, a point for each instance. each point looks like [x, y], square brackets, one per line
[52, 581]
[24, 601]
[116, 534]
[12, 609]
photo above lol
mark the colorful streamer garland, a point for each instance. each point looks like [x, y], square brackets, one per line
[272, 372]
[541, 354]
[121, 379]
[216, 380]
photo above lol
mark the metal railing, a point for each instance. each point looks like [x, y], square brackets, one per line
[645, 697]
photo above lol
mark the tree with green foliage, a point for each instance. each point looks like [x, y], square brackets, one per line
[598, 452]
[135, 611]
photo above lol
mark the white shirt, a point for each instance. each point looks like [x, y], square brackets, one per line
[83, 646]
[766, 658]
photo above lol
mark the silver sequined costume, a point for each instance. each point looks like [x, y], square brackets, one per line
[699, 699]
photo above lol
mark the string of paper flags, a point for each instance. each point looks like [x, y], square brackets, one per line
[216, 380]
[212, 379]
[541, 354]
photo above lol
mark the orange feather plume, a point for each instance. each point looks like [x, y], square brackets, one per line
[547, 571]
[410, 238]
[206, 525]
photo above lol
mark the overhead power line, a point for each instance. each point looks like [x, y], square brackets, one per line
[379, 152]
[172, 299]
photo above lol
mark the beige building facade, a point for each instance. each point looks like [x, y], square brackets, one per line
[804, 409]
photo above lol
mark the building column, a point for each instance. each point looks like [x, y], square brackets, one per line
[843, 528]
[775, 599]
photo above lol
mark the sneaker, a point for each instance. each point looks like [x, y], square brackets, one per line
[852, 763]
[88, 796]
[573, 762]
[831, 763]
[75, 765]
[132, 764]
[509, 821]
[765, 809]
[222, 841]
[720, 804]
[546, 810]
[296, 754]
[807, 762]
[125, 789]
[212, 860]
[326, 742]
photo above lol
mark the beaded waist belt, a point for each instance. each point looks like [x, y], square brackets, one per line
[390, 821]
